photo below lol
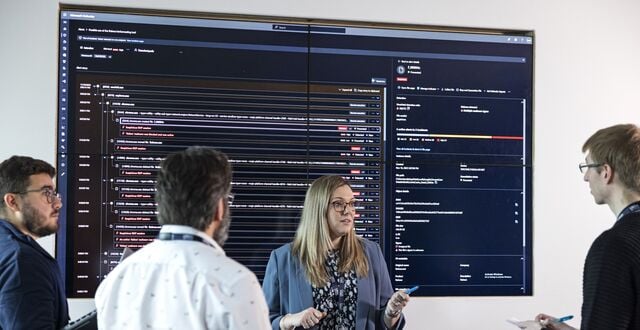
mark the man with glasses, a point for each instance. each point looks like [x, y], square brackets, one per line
[32, 292]
[183, 280]
[611, 279]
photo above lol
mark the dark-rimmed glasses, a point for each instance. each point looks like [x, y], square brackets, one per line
[341, 206]
[49, 193]
[584, 166]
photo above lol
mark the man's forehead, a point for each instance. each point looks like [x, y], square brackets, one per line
[587, 156]
[40, 180]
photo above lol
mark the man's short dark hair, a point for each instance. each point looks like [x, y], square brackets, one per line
[15, 173]
[190, 183]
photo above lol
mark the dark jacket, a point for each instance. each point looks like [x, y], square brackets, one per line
[31, 288]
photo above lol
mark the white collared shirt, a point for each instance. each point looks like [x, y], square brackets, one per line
[181, 285]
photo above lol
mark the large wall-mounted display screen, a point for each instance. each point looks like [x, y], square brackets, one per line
[432, 128]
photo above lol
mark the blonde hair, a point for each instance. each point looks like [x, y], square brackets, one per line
[312, 242]
[618, 146]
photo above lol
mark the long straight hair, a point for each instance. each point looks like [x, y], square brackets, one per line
[312, 242]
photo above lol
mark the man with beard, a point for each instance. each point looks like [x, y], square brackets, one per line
[183, 280]
[31, 288]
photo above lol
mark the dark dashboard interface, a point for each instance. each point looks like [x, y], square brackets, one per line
[433, 130]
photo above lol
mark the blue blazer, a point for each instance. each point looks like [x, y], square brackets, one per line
[287, 289]
[31, 288]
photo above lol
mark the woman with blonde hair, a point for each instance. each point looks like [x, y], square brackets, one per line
[328, 277]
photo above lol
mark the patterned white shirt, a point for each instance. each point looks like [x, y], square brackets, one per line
[181, 284]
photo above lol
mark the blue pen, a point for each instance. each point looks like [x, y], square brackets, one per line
[410, 291]
[564, 318]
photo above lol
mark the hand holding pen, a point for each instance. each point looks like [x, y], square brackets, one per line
[395, 305]
[553, 323]
[412, 290]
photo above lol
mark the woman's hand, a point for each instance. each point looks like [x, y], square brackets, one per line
[549, 322]
[306, 319]
[394, 307]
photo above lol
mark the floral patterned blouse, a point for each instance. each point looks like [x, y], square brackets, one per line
[338, 298]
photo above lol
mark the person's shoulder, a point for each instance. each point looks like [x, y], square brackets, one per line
[11, 264]
[230, 273]
[626, 229]
[371, 250]
[13, 250]
[367, 242]
[23, 266]
[368, 245]
[9, 247]
[232, 264]
[621, 242]
[629, 220]
[8, 241]
[283, 250]
[139, 257]
[17, 245]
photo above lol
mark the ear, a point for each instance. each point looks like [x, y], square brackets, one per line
[217, 217]
[11, 202]
[607, 173]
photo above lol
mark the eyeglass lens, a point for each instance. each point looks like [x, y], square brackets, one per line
[339, 206]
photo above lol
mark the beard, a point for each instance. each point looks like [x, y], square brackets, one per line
[36, 222]
[222, 233]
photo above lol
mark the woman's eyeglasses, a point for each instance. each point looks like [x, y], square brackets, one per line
[341, 206]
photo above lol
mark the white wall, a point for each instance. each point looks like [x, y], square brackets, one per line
[587, 74]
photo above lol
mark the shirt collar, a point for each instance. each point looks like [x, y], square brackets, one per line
[631, 208]
[179, 229]
[9, 226]
[6, 224]
[21, 236]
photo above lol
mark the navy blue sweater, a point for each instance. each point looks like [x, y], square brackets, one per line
[611, 281]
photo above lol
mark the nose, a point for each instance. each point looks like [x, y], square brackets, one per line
[57, 202]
